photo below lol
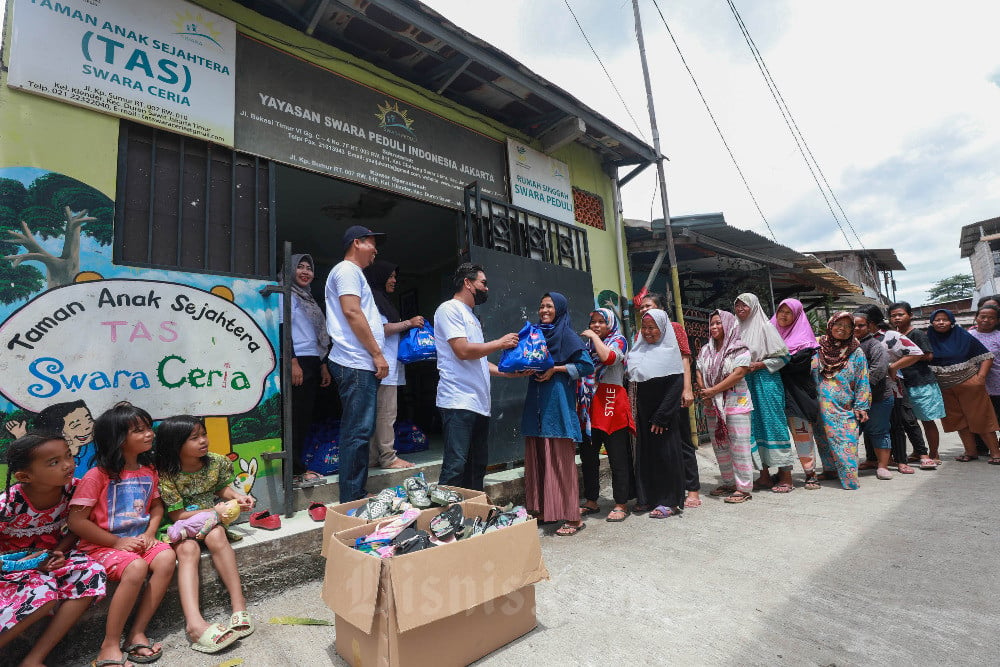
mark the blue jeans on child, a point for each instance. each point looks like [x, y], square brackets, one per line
[358, 389]
[877, 426]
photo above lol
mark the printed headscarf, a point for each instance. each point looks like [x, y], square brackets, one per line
[647, 361]
[757, 332]
[307, 304]
[712, 361]
[834, 353]
[562, 341]
[799, 335]
[618, 344]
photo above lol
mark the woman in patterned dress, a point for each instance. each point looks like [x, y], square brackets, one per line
[33, 519]
[841, 373]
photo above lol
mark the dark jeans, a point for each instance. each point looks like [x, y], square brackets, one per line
[619, 448]
[466, 448]
[689, 454]
[904, 424]
[303, 402]
[358, 389]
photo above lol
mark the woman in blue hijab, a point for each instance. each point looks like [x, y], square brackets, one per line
[961, 364]
[550, 424]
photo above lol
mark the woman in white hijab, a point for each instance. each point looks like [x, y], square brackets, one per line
[655, 365]
[768, 354]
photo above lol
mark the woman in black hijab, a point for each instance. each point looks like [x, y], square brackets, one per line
[381, 277]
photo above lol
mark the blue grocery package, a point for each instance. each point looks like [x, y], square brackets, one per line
[531, 353]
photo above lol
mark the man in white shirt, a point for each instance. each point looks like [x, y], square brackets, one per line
[463, 393]
[355, 361]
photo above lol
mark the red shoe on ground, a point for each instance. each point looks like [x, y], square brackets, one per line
[265, 520]
[317, 511]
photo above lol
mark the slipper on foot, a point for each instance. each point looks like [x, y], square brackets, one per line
[214, 639]
[883, 473]
[782, 487]
[586, 510]
[566, 530]
[616, 516]
[664, 512]
[905, 469]
[738, 497]
[109, 662]
[965, 458]
[692, 502]
[142, 659]
[241, 624]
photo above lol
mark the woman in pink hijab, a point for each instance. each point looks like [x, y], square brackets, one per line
[801, 405]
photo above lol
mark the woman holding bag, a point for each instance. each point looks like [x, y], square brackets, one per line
[550, 424]
[381, 276]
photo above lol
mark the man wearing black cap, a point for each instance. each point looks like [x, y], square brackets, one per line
[356, 362]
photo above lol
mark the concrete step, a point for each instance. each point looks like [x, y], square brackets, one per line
[268, 561]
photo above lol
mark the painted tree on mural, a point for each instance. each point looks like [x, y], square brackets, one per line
[53, 206]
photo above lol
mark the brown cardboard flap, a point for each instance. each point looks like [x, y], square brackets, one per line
[436, 583]
[351, 580]
[337, 520]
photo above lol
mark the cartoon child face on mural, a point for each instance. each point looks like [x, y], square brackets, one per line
[72, 419]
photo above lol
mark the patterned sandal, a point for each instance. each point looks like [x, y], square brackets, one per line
[241, 624]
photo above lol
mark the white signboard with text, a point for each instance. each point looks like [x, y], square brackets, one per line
[165, 63]
[539, 183]
[171, 348]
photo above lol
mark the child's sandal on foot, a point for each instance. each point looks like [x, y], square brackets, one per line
[130, 651]
[241, 623]
[214, 639]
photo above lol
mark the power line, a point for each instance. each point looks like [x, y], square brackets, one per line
[793, 128]
[711, 115]
[606, 73]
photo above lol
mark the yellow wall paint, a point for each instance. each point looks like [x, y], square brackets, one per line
[38, 132]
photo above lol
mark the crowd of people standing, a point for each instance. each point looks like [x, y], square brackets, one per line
[773, 393]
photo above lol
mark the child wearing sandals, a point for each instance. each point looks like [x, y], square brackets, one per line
[191, 478]
[116, 511]
[32, 523]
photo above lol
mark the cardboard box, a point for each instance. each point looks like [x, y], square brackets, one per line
[451, 604]
[338, 520]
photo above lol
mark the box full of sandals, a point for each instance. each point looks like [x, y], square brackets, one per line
[438, 586]
[413, 492]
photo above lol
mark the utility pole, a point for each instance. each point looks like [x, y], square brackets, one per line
[671, 256]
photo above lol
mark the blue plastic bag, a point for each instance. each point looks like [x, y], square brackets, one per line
[322, 448]
[418, 345]
[531, 353]
[409, 438]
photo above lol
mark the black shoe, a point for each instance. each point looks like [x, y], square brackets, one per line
[448, 523]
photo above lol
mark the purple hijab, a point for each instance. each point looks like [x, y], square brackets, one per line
[798, 336]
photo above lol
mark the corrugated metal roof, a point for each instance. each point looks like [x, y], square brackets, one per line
[783, 261]
[417, 44]
[885, 258]
[971, 234]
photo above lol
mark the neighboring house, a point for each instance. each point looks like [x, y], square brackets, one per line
[980, 242]
[872, 269]
[961, 308]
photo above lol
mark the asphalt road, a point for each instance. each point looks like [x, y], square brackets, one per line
[899, 572]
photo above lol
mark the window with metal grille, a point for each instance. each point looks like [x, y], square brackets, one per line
[188, 205]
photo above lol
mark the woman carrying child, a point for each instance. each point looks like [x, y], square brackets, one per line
[32, 519]
[116, 511]
[191, 478]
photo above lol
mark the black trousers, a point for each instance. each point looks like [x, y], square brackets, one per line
[619, 448]
[688, 453]
[902, 425]
[303, 404]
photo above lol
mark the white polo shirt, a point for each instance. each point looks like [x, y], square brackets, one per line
[347, 279]
[463, 385]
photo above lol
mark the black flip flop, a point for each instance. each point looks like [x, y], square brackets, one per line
[587, 511]
[578, 529]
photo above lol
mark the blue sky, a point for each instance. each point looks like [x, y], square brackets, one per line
[898, 101]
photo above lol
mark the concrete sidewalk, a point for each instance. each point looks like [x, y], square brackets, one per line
[898, 572]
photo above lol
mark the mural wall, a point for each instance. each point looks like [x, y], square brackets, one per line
[80, 334]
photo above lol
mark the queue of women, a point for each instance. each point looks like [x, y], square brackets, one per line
[772, 392]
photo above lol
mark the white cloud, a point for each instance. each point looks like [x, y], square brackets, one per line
[897, 100]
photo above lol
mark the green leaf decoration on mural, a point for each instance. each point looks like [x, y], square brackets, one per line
[53, 206]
